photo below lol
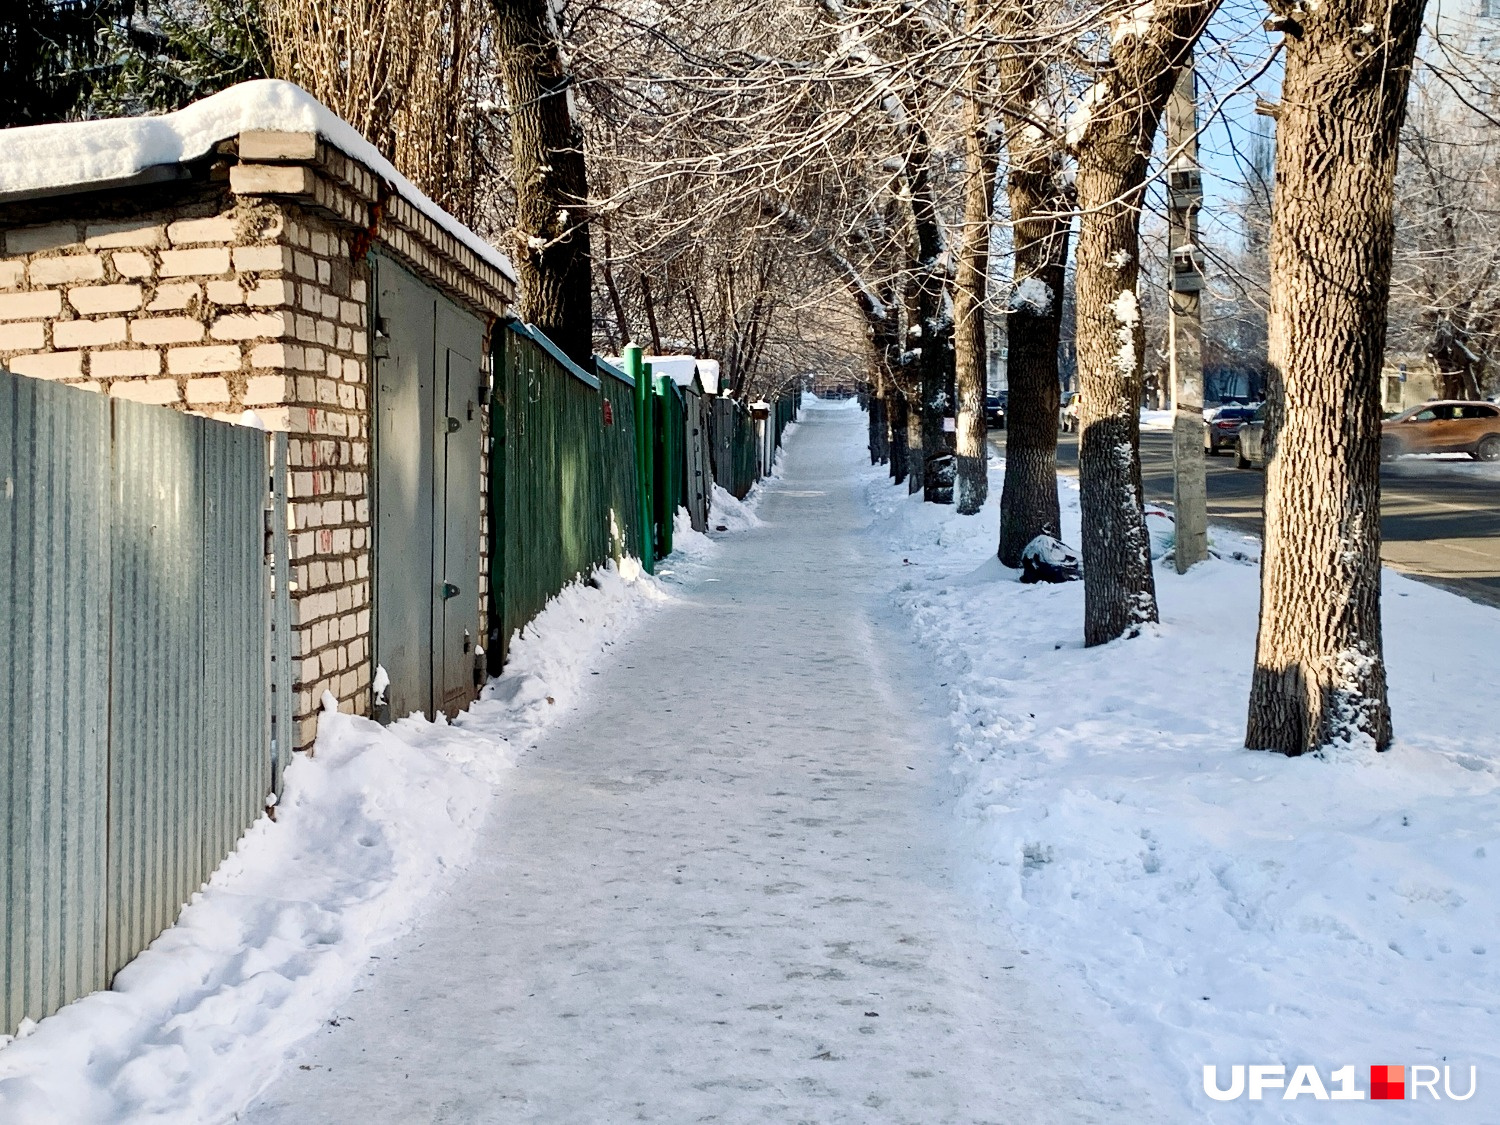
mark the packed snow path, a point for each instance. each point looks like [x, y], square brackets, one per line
[720, 890]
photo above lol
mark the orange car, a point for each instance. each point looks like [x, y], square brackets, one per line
[1443, 427]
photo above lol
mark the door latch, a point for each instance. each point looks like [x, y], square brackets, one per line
[454, 425]
[448, 590]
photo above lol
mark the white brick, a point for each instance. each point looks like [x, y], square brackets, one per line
[248, 326]
[224, 292]
[220, 228]
[69, 267]
[156, 391]
[201, 391]
[38, 240]
[166, 330]
[89, 299]
[191, 361]
[271, 291]
[175, 295]
[125, 364]
[262, 144]
[277, 356]
[28, 306]
[88, 333]
[48, 365]
[12, 274]
[103, 236]
[266, 179]
[207, 261]
[132, 263]
[262, 259]
[265, 390]
[24, 336]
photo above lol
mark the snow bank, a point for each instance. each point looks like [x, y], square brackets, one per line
[367, 827]
[727, 514]
[1210, 904]
[45, 157]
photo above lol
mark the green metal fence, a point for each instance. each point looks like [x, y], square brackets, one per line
[590, 465]
[564, 491]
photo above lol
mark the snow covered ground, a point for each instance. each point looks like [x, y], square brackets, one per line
[722, 889]
[834, 820]
[369, 826]
[1224, 906]
[367, 829]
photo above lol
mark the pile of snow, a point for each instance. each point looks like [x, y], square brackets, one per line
[1156, 419]
[727, 514]
[41, 158]
[367, 827]
[1212, 905]
[1032, 295]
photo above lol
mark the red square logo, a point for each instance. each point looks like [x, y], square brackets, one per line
[1387, 1083]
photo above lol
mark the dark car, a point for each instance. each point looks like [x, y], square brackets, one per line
[1222, 429]
[994, 411]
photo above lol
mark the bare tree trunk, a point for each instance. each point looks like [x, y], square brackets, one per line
[610, 287]
[1041, 223]
[970, 289]
[551, 180]
[1119, 587]
[1319, 665]
[650, 302]
[896, 421]
[916, 449]
[1113, 141]
[880, 434]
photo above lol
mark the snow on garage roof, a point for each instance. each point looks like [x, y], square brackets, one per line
[40, 159]
[679, 368]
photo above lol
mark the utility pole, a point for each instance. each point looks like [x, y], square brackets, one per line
[1185, 323]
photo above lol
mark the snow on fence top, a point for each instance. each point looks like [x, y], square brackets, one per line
[38, 159]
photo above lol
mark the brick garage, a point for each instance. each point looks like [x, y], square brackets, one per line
[240, 280]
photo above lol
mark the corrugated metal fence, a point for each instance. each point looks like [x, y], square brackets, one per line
[732, 446]
[592, 465]
[565, 495]
[136, 610]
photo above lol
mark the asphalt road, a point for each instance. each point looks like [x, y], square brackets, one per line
[1440, 520]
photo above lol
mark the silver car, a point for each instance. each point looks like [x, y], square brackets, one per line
[1250, 445]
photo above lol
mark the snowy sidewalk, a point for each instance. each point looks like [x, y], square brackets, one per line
[720, 890]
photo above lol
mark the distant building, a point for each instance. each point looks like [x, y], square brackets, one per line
[1407, 381]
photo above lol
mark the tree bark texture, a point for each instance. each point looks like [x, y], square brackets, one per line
[551, 179]
[1041, 222]
[1319, 666]
[932, 353]
[1112, 147]
[895, 409]
[970, 288]
[879, 436]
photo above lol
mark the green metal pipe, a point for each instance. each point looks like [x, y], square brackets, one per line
[644, 451]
